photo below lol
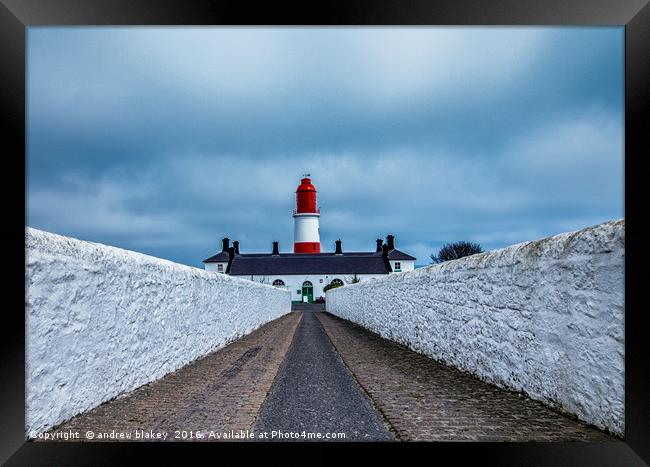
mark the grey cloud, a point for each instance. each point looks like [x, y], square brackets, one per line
[163, 141]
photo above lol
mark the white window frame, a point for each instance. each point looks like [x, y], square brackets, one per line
[398, 266]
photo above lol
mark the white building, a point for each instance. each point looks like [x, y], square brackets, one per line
[307, 271]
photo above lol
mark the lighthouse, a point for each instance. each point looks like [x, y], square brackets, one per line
[307, 272]
[306, 237]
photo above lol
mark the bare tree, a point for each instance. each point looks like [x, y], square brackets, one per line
[456, 250]
[353, 279]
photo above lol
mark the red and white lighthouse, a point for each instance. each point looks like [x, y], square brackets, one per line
[306, 237]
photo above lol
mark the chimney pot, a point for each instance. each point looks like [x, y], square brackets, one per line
[339, 250]
[390, 241]
[235, 245]
[276, 249]
[225, 244]
[380, 242]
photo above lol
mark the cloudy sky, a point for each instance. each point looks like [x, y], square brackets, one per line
[164, 140]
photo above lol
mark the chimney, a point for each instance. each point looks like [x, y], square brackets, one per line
[390, 241]
[276, 249]
[225, 243]
[231, 257]
[380, 242]
[384, 254]
[235, 245]
[339, 250]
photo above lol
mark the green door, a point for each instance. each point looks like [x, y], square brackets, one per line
[307, 292]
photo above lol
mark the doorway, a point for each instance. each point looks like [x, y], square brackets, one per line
[307, 292]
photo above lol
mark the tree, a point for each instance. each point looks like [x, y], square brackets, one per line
[456, 250]
[353, 279]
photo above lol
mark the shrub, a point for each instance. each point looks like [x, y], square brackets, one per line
[331, 286]
[456, 250]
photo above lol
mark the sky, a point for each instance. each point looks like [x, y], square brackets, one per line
[163, 140]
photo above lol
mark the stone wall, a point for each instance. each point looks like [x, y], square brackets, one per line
[101, 321]
[545, 317]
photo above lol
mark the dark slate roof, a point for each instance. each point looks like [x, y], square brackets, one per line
[396, 254]
[221, 257]
[323, 263]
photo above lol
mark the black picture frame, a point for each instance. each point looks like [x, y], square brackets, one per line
[17, 15]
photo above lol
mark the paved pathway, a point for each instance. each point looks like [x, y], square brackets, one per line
[427, 401]
[315, 394]
[314, 373]
[221, 392]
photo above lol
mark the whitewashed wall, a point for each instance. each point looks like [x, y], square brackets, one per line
[405, 265]
[214, 267]
[545, 317]
[293, 283]
[102, 321]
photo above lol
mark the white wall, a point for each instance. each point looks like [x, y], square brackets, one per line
[294, 282]
[102, 321]
[545, 317]
[214, 267]
[405, 265]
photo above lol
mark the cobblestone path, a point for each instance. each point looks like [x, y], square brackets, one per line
[426, 401]
[314, 394]
[313, 372]
[220, 392]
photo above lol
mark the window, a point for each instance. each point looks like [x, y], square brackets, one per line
[336, 282]
[398, 266]
[278, 283]
[219, 267]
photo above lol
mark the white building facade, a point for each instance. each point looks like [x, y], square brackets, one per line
[309, 287]
[307, 271]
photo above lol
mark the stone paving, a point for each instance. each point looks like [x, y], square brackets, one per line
[427, 401]
[315, 397]
[313, 371]
[220, 392]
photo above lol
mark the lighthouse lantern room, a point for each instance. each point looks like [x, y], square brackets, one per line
[306, 236]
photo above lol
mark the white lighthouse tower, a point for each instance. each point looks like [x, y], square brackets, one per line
[306, 236]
